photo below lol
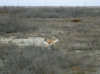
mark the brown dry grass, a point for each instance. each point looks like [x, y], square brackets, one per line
[64, 20]
[73, 35]
[77, 70]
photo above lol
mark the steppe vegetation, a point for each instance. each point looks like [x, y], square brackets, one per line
[78, 31]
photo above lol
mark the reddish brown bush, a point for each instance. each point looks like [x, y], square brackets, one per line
[76, 20]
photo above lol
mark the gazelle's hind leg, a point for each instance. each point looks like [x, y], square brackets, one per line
[54, 45]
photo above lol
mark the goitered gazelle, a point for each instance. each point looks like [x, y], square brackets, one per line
[50, 42]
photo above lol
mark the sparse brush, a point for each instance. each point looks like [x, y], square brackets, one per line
[38, 60]
[11, 24]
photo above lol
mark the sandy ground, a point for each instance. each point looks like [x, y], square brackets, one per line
[34, 41]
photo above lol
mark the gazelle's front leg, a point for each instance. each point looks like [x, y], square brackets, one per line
[54, 44]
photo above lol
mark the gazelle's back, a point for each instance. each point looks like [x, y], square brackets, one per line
[51, 42]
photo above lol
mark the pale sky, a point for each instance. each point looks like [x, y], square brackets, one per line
[49, 2]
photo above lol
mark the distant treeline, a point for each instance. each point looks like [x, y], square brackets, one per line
[51, 12]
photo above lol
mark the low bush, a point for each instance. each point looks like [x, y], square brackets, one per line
[76, 20]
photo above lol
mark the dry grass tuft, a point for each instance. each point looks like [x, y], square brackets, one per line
[64, 20]
[77, 70]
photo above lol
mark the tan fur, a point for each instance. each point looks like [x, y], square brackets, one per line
[50, 42]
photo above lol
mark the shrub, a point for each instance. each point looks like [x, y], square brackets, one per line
[76, 20]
